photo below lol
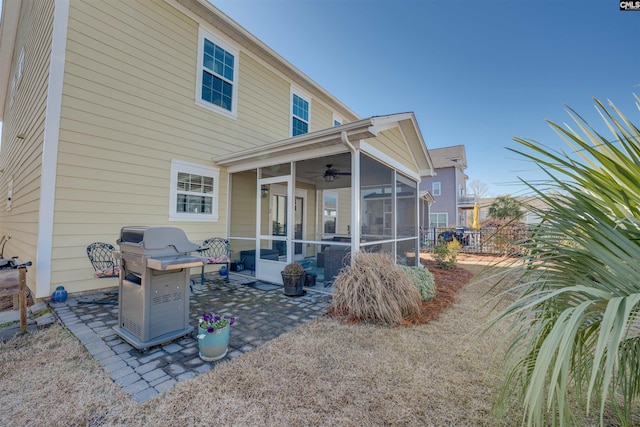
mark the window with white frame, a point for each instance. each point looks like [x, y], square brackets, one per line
[194, 192]
[299, 114]
[436, 189]
[438, 220]
[216, 87]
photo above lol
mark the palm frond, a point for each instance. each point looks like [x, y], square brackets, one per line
[574, 321]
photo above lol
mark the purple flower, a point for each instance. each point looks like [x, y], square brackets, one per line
[232, 320]
[210, 329]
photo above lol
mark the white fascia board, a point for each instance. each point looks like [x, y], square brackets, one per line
[291, 157]
[297, 142]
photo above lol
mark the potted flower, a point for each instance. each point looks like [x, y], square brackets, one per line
[213, 336]
[293, 277]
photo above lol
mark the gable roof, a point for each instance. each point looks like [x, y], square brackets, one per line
[449, 157]
[332, 140]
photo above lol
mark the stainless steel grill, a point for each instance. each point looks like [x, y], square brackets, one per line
[154, 284]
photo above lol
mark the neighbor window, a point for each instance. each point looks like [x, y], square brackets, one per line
[438, 220]
[299, 115]
[435, 189]
[194, 192]
[217, 75]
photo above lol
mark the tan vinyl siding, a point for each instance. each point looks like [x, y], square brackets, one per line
[321, 116]
[392, 143]
[22, 158]
[263, 104]
[128, 110]
[344, 210]
[242, 217]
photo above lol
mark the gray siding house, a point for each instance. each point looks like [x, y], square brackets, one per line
[448, 188]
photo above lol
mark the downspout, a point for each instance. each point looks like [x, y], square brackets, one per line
[355, 198]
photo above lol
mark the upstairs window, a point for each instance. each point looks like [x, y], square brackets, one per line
[217, 75]
[300, 115]
[435, 189]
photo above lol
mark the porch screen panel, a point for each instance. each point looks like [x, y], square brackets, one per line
[376, 199]
[406, 199]
[406, 252]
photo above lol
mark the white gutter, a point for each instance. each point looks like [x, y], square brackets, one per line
[355, 187]
[50, 148]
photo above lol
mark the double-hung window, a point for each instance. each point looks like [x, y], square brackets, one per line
[217, 75]
[194, 192]
[438, 220]
[436, 189]
[299, 114]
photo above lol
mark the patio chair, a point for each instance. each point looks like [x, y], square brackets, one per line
[216, 251]
[104, 265]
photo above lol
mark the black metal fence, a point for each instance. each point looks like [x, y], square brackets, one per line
[494, 241]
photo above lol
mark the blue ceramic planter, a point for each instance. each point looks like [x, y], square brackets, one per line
[213, 346]
[59, 295]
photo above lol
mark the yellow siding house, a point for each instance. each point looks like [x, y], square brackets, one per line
[167, 112]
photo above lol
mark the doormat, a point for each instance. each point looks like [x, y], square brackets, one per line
[263, 286]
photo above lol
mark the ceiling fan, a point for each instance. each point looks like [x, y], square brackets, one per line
[332, 174]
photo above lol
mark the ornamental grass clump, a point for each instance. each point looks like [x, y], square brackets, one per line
[373, 289]
[422, 279]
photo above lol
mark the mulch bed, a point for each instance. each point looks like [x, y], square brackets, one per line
[448, 281]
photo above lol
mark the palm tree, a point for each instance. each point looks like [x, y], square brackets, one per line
[575, 321]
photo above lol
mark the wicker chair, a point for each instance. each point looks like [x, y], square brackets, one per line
[216, 251]
[104, 265]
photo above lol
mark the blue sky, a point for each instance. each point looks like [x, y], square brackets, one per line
[476, 73]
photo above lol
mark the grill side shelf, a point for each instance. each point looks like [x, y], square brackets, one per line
[174, 263]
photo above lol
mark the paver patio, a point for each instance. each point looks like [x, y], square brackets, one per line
[262, 313]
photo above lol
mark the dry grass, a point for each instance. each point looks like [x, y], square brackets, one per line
[373, 289]
[323, 373]
[49, 378]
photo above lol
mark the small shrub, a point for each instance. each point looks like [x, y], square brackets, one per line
[374, 289]
[446, 253]
[424, 281]
[293, 268]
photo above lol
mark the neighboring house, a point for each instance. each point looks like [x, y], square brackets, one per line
[448, 188]
[154, 112]
[526, 203]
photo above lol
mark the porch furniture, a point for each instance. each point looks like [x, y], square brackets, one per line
[100, 256]
[335, 258]
[249, 257]
[216, 251]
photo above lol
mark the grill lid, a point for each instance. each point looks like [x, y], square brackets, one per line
[156, 240]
